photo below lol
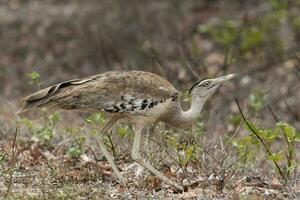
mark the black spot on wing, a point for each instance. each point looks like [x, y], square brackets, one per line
[152, 104]
[144, 104]
[132, 105]
[122, 105]
[174, 97]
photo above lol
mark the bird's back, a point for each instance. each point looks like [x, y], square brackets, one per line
[130, 92]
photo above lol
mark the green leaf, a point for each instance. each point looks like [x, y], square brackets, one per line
[204, 28]
[277, 156]
[235, 120]
[291, 168]
[251, 127]
[190, 152]
[252, 38]
[123, 131]
[75, 152]
[289, 131]
[35, 78]
[2, 158]
[28, 123]
[225, 33]
[171, 140]
[44, 134]
[297, 137]
[54, 118]
[278, 4]
[272, 134]
[96, 119]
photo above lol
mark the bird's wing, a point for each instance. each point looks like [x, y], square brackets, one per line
[114, 91]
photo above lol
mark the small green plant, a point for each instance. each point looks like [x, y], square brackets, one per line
[223, 33]
[257, 100]
[199, 128]
[185, 151]
[96, 119]
[65, 193]
[243, 147]
[235, 120]
[252, 38]
[123, 131]
[35, 78]
[44, 133]
[76, 150]
[283, 159]
[291, 136]
[2, 158]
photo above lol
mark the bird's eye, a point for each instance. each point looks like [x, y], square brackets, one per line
[206, 84]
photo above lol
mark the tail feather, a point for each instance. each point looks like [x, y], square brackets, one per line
[41, 98]
[34, 100]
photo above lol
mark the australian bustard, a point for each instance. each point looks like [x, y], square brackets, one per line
[140, 97]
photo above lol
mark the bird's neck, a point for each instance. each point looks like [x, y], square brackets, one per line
[193, 113]
[189, 116]
[179, 118]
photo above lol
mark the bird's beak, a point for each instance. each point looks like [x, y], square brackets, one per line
[224, 78]
[227, 77]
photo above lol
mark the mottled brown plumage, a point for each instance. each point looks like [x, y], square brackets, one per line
[140, 97]
[101, 90]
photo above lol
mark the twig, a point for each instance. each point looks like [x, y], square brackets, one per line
[192, 70]
[12, 161]
[292, 112]
[276, 118]
[229, 140]
[267, 150]
[240, 158]
[111, 144]
[211, 155]
[95, 157]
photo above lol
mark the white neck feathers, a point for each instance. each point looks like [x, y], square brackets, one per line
[194, 111]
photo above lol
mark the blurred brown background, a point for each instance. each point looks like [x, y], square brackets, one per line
[61, 40]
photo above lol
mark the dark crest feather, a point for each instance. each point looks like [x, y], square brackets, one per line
[190, 90]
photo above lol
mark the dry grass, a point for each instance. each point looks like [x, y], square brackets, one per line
[32, 169]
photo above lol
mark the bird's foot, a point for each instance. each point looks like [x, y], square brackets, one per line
[139, 171]
[177, 188]
[121, 181]
[136, 169]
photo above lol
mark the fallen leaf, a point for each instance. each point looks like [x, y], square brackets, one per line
[153, 182]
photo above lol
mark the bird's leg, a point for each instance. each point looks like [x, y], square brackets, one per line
[137, 158]
[140, 169]
[101, 144]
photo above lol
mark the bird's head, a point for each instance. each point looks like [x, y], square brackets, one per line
[204, 88]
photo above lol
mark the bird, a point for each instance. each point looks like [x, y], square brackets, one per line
[139, 97]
